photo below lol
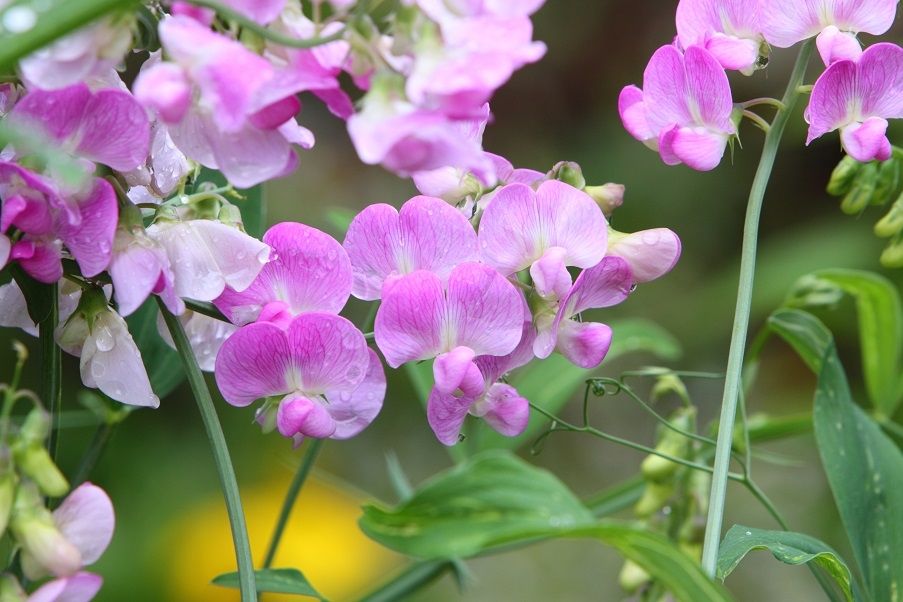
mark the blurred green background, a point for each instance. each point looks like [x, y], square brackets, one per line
[172, 534]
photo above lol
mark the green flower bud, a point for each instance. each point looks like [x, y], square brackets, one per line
[632, 577]
[569, 173]
[886, 182]
[860, 195]
[36, 426]
[231, 216]
[654, 498]
[892, 222]
[608, 196]
[34, 462]
[892, 256]
[7, 490]
[843, 176]
[10, 589]
[44, 549]
[672, 443]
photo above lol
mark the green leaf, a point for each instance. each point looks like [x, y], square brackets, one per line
[789, 548]
[52, 19]
[864, 467]
[635, 334]
[484, 500]
[277, 581]
[880, 330]
[164, 368]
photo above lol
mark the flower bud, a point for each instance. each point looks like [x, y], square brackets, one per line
[843, 176]
[654, 498]
[44, 549]
[886, 182]
[608, 196]
[569, 173]
[672, 443]
[632, 577]
[860, 195]
[7, 490]
[10, 589]
[231, 216]
[34, 462]
[36, 426]
[892, 255]
[892, 222]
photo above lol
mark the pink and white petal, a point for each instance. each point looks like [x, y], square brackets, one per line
[206, 336]
[584, 344]
[261, 11]
[512, 233]
[733, 53]
[603, 285]
[446, 413]
[165, 88]
[14, 309]
[353, 411]
[550, 276]
[786, 23]
[28, 214]
[114, 130]
[665, 89]
[576, 221]
[455, 370]
[86, 520]
[300, 414]
[871, 16]
[5, 248]
[80, 587]
[56, 113]
[835, 45]
[251, 155]
[254, 362]
[371, 243]
[435, 237]
[195, 273]
[633, 113]
[650, 253]
[880, 85]
[485, 311]
[238, 256]
[91, 241]
[504, 410]
[410, 320]
[698, 147]
[866, 141]
[135, 268]
[665, 144]
[328, 353]
[834, 96]
[710, 93]
[39, 257]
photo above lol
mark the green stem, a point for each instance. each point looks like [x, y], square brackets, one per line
[51, 360]
[412, 579]
[89, 461]
[741, 315]
[313, 448]
[220, 455]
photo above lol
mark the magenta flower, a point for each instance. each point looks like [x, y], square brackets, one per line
[308, 271]
[480, 313]
[784, 23]
[684, 108]
[312, 369]
[139, 266]
[545, 230]
[729, 29]
[650, 253]
[584, 344]
[385, 244]
[858, 98]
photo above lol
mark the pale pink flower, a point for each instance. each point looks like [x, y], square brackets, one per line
[650, 253]
[858, 98]
[729, 29]
[684, 109]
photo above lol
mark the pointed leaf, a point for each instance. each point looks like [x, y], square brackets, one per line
[789, 548]
[804, 332]
[279, 581]
[462, 511]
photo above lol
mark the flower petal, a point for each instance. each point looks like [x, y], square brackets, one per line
[253, 363]
[485, 311]
[328, 353]
[86, 519]
[354, 410]
[866, 141]
[409, 320]
[299, 414]
[446, 413]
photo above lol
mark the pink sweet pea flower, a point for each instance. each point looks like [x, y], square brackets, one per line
[684, 109]
[80, 587]
[545, 230]
[650, 253]
[480, 313]
[785, 23]
[584, 344]
[858, 98]
[385, 244]
[312, 369]
[729, 29]
[308, 271]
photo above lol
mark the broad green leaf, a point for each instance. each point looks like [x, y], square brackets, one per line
[50, 19]
[277, 581]
[880, 330]
[164, 368]
[487, 499]
[789, 548]
[864, 467]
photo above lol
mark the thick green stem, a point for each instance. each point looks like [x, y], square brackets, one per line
[741, 314]
[220, 455]
[313, 448]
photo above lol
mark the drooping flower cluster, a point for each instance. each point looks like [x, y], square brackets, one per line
[685, 109]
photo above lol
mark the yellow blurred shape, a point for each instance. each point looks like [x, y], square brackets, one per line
[321, 539]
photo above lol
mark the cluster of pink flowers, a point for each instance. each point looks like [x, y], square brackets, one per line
[685, 111]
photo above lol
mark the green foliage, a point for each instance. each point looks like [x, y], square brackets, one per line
[164, 368]
[880, 327]
[789, 548]
[864, 467]
[277, 581]
[52, 19]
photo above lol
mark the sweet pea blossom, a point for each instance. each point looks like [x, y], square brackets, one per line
[312, 369]
[729, 29]
[478, 313]
[385, 244]
[584, 344]
[835, 22]
[545, 230]
[308, 271]
[684, 109]
[649, 253]
[858, 97]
